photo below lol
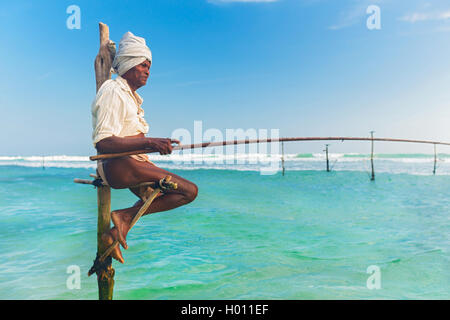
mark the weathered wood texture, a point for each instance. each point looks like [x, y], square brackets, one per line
[105, 276]
[105, 56]
[102, 65]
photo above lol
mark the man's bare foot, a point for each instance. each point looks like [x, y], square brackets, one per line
[108, 239]
[120, 224]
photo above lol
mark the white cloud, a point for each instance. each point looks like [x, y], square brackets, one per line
[429, 16]
[445, 15]
[348, 18]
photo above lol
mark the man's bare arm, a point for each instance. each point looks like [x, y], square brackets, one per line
[116, 144]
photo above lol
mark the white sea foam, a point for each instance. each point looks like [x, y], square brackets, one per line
[52, 164]
[414, 164]
[45, 158]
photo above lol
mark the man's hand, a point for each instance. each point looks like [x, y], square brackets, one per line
[162, 145]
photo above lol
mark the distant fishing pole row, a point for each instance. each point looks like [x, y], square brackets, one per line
[372, 139]
[282, 140]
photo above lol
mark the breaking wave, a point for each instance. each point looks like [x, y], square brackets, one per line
[421, 164]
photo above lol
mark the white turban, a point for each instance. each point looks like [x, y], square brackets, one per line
[132, 51]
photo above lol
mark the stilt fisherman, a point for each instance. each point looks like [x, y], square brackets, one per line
[119, 126]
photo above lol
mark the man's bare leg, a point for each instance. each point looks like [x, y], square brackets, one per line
[125, 172]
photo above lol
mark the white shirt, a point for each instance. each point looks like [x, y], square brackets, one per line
[116, 111]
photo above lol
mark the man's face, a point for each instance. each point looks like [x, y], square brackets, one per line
[138, 75]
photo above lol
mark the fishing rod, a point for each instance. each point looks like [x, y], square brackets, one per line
[248, 141]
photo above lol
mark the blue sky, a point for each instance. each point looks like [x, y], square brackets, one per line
[307, 67]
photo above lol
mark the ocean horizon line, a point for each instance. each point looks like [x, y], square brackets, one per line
[186, 153]
[393, 163]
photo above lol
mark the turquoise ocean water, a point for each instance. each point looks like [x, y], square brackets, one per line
[307, 235]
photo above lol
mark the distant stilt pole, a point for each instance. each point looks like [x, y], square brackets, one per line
[435, 160]
[282, 157]
[328, 161]
[372, 178]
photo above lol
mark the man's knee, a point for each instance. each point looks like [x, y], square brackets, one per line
[191, 192]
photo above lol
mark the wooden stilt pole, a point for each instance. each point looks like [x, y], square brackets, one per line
[328, 162]
[435, 160]
[105, 274]
[371, 159]
[282, 157]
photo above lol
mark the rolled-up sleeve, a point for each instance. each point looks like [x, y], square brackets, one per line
[108, 114]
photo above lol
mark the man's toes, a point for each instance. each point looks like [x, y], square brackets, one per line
[116, 253]
[123, 242]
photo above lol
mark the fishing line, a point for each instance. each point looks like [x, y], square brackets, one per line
[366, 160]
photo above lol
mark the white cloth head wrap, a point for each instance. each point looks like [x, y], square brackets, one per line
[132, 51]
